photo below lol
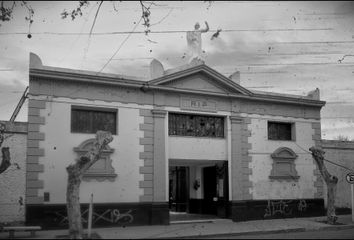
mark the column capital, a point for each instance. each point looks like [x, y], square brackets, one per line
[236, 119]
[159, 113]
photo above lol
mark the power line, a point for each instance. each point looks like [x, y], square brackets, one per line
[110, 59]
[136, 25]
[170, 31]
[325, 159]
[304, 63]
[323, 42]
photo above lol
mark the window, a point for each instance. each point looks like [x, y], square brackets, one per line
[280, 131]
[283, 165]
[90, 120]
[195, 125]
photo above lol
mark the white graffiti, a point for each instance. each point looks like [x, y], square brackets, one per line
[281, 207]
[114, 216]
[302, 206]
[110, 215]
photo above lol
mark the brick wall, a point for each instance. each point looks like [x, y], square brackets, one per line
[13, 180]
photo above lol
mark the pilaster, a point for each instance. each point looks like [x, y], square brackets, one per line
[159, 157]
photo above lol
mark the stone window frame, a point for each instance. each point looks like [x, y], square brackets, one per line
[279, 158]
[108, 173]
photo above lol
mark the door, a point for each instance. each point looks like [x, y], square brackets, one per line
[178, 188]
[209, 187]
[222, 189]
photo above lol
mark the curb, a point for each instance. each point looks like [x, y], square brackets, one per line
[340, 227]
[300, 229]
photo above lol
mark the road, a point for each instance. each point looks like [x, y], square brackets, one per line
[325, 234]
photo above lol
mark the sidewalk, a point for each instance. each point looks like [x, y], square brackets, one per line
[216, 228]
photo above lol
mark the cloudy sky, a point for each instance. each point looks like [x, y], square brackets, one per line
[286, 47]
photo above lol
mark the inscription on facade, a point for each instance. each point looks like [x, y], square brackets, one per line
[198, 104]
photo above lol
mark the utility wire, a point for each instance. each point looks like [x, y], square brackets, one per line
[110, 59]
[136, 25]
[326, 159]
[172, 31]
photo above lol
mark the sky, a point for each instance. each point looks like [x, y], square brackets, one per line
[286, 47]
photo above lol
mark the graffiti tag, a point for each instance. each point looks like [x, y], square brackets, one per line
[110, 215]
[277, 207]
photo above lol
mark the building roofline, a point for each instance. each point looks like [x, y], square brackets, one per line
[38, 70]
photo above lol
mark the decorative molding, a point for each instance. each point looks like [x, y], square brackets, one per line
[284, 156]
[240, 92]
[240, 146]
[198, 104]
[284, 153]
[158, 113]
[246, 159]
[236, 119]
[146, 141]
[100, 175]
[34, 152]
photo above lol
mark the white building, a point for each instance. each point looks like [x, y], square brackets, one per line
[187, 140]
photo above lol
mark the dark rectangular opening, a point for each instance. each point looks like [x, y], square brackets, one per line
[195, 125]
[280, 131]
[90, 120]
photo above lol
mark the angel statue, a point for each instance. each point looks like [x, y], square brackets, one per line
[194, 41]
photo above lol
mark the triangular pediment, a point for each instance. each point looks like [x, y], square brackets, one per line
[284, 153]
[200, 78]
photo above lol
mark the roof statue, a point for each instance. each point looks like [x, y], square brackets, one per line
[194, 41]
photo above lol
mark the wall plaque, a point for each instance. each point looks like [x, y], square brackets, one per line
[198, 104]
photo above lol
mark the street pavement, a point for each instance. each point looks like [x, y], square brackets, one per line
[205, 228]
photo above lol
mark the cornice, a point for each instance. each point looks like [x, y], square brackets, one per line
[69, 76]
[158, 113]
[146, 86]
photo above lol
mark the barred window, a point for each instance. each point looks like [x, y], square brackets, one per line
[195, 125]
[280, 131]
[90, 120]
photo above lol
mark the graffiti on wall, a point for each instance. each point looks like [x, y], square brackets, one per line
[277, 207]
[108, 216]
[283, 208]
[302, 206]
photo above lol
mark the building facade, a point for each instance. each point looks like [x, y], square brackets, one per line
[189, 140]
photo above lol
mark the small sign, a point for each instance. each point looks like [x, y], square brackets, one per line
[350, 178]
[198, 104]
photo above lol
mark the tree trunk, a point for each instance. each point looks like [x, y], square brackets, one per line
[331, 195]
[73, 203]
[331, 182]
[75, 173]
[5, 163]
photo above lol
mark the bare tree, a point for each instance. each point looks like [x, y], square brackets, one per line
[75, 173]
[5, 163]
[331, 182]
[6, 12]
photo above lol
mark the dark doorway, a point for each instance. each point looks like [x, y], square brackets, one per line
[178, 189]
[209, 178]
